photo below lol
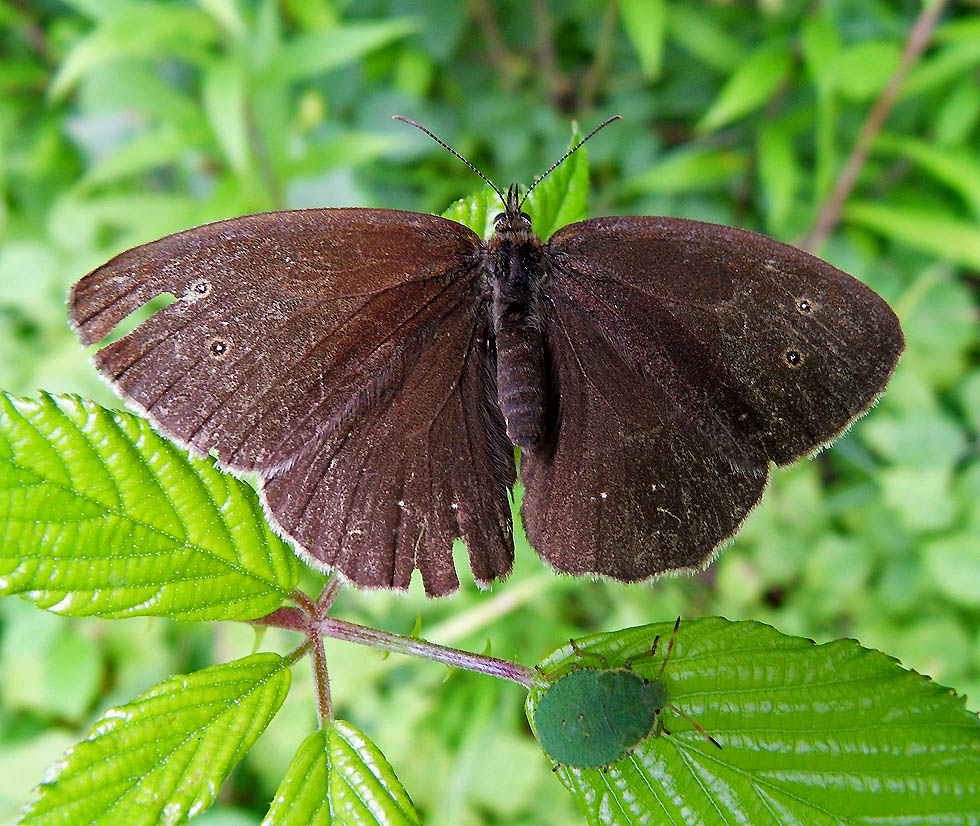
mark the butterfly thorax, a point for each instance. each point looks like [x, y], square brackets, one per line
[515, 258]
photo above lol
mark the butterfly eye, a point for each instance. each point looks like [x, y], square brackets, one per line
[499, 217]
[526, 217]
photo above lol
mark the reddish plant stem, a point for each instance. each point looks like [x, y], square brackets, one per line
[292, 619]
[321, 679]
[326, 598]
[830, 213]
[454, 657]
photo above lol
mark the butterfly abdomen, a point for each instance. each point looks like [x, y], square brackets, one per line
[515, 272]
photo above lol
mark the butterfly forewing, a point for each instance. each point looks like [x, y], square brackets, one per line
[294, 330]
[696, 353]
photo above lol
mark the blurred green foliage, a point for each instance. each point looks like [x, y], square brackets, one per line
[121, 121]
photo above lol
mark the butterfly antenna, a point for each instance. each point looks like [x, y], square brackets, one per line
[564, 157]
[447, 147]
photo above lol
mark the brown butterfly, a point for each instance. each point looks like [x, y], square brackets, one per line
[376, 367]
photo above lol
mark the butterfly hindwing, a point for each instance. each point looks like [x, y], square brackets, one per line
[629, 486]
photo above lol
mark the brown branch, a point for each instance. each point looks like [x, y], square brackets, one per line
[830, 212]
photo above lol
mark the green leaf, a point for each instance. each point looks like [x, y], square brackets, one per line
[562, 197]
[143, 30]
[861, 71]
[348, 149]
[958, 114]
[946, 65]
[313, 53]
[101, 516]
[338, 776]
[476, 211]
[559, 199]
[945, 237]
[695, 29]
[779, 172]
[224, 105]
[161, 758]
[810, 734]
[645, 23]
[820, 44]
[952, 563]
[957, 169]
[690, 170]
[147, 151]
[752, 83]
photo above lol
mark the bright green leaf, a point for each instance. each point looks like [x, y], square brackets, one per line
[101, 516]
[921, 498]
[161, 758]
[752, 83]
[942, 67]
[476, 211]
[150, 150]
[957, 169]
[695, 29]
[952, 562]
[958, 114]
[313, 53]
[225, 105]
[338, 776]
[948, 238]
[690, 170]
[861, 71]
[779, 172]
[820, 44]
[810, 734]
[347, 149]
[645, 23]
[143, 30]
[562, 197]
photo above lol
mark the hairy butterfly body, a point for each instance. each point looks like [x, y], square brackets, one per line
[375, 368]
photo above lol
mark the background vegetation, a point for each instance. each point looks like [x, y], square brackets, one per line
[122, 121]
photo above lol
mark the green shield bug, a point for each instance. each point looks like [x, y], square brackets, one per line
[592, 717]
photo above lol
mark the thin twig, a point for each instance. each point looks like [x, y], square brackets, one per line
[830, 213]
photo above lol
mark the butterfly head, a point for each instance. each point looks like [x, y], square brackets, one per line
[512, 221]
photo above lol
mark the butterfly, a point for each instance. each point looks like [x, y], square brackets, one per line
[375, 369]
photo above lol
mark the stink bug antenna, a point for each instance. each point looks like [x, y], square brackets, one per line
[670, 648]
[562, 159]
[447, 147]
[676, 710]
